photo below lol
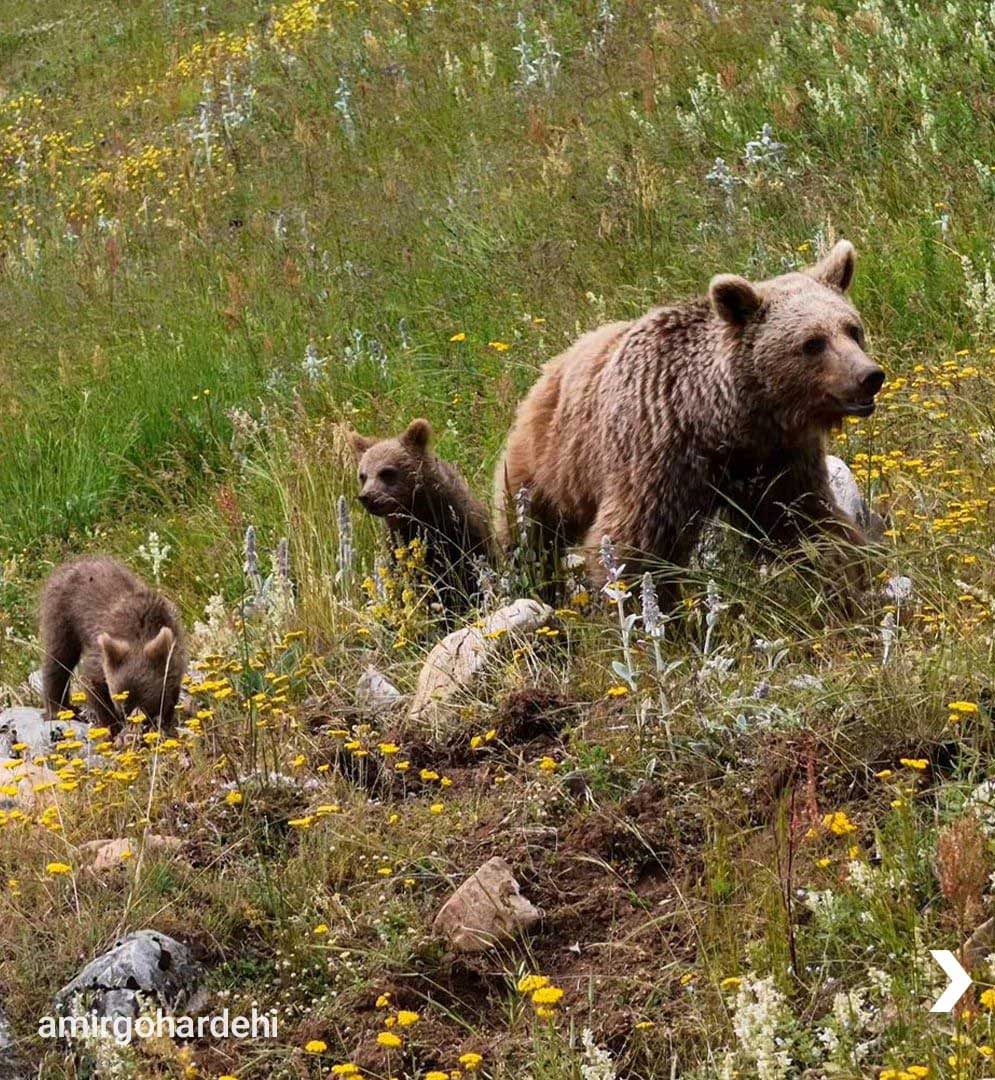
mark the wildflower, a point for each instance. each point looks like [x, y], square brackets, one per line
[499, 346]
[57, 868]
[988, 998]
[919, 764]
[528, 984]
[315, 1046]
[428, 774]
[436, 1075]
[389, 1040]
[345, 1069]
[406, 1018]
[547, 995]
[437, 808]
[884, 774]
[732, 982]
[461, 336]
[234, 798]
[383, 1002]
[838, 823]
[963, 708]
[547, 765]
[617, 691]
[470, 1061]
[320, 930]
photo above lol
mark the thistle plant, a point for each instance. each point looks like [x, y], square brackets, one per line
[347, 552]
[616, 590]
[155, 553]
[313, 365]
[713, 611]
[343, 106]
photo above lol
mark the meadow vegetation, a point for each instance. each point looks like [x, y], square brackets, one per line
[231, 230]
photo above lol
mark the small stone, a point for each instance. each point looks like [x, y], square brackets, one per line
[375, 692]
[105, 856]
[454, 665]
[486, 909]
[848, 498]
[27, 787]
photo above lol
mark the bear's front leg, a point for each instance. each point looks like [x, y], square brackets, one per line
[647, 537]
[796, 503]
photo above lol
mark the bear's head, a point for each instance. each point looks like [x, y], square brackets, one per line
[391, 471]
[799, 343]
[144, 675]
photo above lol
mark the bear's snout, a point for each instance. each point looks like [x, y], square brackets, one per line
[872, 380]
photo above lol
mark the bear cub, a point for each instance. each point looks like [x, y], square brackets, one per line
[420, 495]
[126, 638]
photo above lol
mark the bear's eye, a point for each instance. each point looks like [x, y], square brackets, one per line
[857, 333]
[814, 345]
[362, 478]
[388, 476]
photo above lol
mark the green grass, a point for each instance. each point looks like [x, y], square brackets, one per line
[404, 178]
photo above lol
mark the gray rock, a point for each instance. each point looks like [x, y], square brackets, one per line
[23, 724]
[375, 692]
[848, 498]
[138, 970]
[456, 663]
[35, 682]
[11, 1066]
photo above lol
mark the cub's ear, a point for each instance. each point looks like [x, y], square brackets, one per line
[734, 299]
[114, 650]
[836, 269]
[360, 443]
[417, 434]
[157, 650]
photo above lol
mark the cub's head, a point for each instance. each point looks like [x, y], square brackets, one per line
[391, 470]
[144, 675]
[802, 342]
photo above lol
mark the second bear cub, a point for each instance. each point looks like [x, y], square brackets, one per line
[127, 639]
[420, 495]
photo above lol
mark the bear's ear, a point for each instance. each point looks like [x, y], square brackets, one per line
[114, 650]
[836, 269]
[360, 443]
[158, 649]
[734, 299]
[417, 434]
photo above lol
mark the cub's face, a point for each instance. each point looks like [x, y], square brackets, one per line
[143, 676]
[390, 470]
[804, 341]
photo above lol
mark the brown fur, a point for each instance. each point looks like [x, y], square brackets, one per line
[419, 494]
[642, 430]
[96, 613]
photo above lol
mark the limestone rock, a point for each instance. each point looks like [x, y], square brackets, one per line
[145, 964]
[848, 498]
[454, 665]
[26, 786]
[11, 1066]
[486, 909]
[106, 856]
[375, 692]
[28, 726]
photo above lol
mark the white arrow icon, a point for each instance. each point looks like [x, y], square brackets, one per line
[959, 980]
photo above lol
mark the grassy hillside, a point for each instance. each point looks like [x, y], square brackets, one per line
[229, 228]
